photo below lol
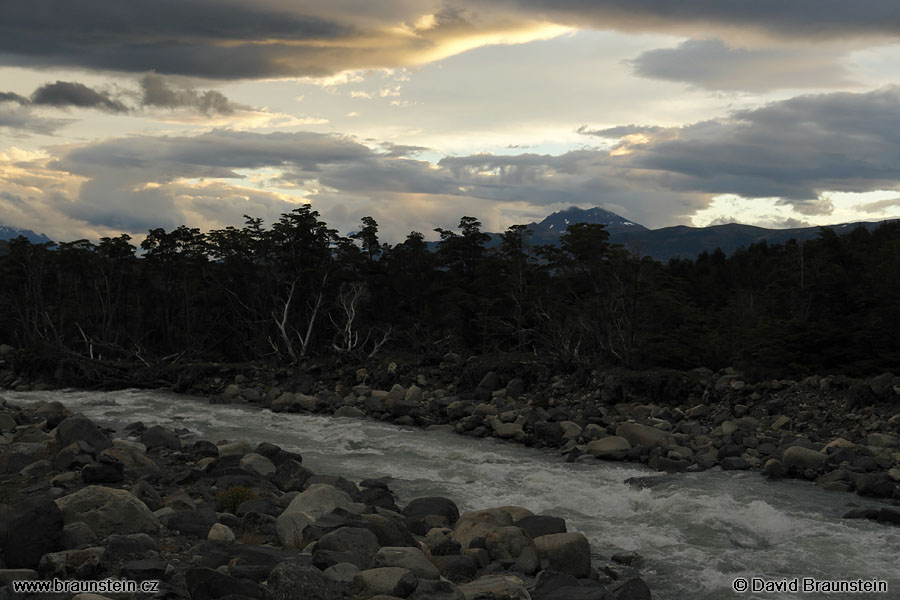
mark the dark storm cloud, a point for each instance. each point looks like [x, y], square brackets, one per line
[190, 37]
[787, 18]
[793, 149]
[711, 64]
[64, 94]
[11, 97]
[274, 38]
[157, 91]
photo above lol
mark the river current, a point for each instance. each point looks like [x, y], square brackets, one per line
[697, 532]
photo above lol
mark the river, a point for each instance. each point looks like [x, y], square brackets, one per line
[697, 532]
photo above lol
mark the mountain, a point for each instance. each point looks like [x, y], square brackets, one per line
[11, 233]
[670, 242]
[554, 225]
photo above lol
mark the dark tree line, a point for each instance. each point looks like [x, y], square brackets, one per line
[296, 290]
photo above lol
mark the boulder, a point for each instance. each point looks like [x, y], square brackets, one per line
[456, 567]
[136, 464]
[800, 458]
[290, 580]
[538, 525]
[208, 584]
[239, 448]
[77, 428]
[499, 587]
[354, 545]
[107, 511]
[257, 464]
[291, 476]
[389, 581]
[144, 569]
[609, 448]
[432, 505]
[552, 585]
[76, 454]
[21, 454]
[565, 552]
[318, 500]
[341, 573]
[72, 564]
[7, 422]
[882, 440]
[34, 529]
[220, 533]
[508, 545]
[160, 437]
[191, 522]
[633, 588]
[407, 558]
[78, 535]
[479, 523]
[641, 435]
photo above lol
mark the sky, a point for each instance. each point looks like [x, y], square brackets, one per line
[118, 117]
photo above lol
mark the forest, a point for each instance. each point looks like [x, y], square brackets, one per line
[296, 291]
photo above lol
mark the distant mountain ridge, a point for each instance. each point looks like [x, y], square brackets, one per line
[11, 233]
[671, 242]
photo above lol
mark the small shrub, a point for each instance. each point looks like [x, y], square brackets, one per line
[229, 500]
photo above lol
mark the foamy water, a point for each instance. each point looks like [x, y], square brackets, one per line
[697, 532]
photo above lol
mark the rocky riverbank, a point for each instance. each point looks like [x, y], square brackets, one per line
[843, 434]
[230, 519]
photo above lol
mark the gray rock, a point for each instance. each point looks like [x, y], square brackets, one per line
[434, 589]
[456, 567]
[7, 576]
[191, 522]
[565, 552]
[292, 581]
[508, 545]
[238, 448]
[538, 525]
[479, 523]
[407, 558]
[77, 428]
[499, 587]
[432, 505]
[32, 530]
[77, 535]
[633, 588]
[354, 545]
[106, 511]
[76, 454]
[391, 581]
[257, 464]
[318, 500]
[20, 455]
[220, 533]
[350, 412]
[341, 573]
[72, 564]
[144, 569]
[160, 437]
[641, 435]
[7, 422]
[798, 457]
[136, 463]
[609, 448]
[291, 476]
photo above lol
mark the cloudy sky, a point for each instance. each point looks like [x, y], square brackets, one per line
[123, 116]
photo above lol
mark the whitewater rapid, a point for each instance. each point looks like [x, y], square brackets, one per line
[697, 532]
